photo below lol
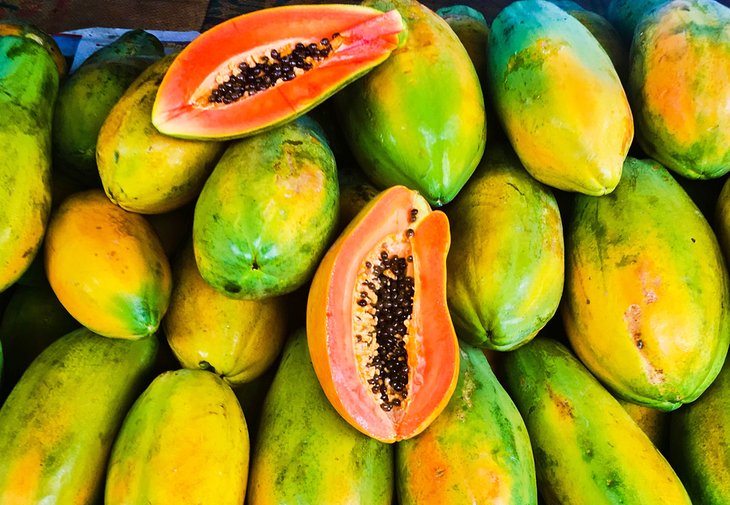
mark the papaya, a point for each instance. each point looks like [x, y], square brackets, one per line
[721, 219]
[378, 325]
[473, 31]
[29, 81]
[267, 213]
[679, 86]
[506, 259]
[236, 339]
[653, 422]
[646, 290]
[305, 453]
[587, 448]
[559, 98]
[404, 131]
[23, 28]
[59, 422]
[267, 67]
[141, 169]
[624, 15]
[476, 451]
[700, 451]
[184, 440]
[87, 96]
[107, 266]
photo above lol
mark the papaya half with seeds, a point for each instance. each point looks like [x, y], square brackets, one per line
[267, 67]
[379, 330]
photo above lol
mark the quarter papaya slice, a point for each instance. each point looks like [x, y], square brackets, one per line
[379, 330]
[266, 67]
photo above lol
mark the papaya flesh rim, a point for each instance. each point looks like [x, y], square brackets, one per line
[366, 37]
[433, 356]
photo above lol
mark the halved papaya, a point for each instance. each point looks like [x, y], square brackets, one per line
[379, 330]
[260, 69]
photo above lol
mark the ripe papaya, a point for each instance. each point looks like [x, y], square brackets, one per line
[646, 290]
[59, 422]
[722, 219]
[653, 422]
[266, 214]
[184, 440]
[473, 31]
[401, 129]
[679, 86]
[559, 98]
[305, 453]
[506, 259]
[626, 14]
[587, 448]
[476, 451]
[141, 169]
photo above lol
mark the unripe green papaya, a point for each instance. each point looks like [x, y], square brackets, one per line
[59, 422]
[646, 290]
[587, 448]
[305, 453]
[476, 451]
[267, 213]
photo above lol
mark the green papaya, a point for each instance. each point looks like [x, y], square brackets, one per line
[29, 82]
[476, 451]
[645, 281]
[59, 422]
[87, 96]
[418, 118]
[267, 213]
[305, 453]
[587, 448]
[473, 31]
[626, 14]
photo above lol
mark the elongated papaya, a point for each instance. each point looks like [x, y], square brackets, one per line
[59, 422]
[305, 453]
[587, 448]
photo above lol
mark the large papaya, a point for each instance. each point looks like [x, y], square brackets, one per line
[476, 451]
[418, 118]
[305, 453]
[624, 15]
[559, 98]
[646, 290]
[587, 448]
[59, 422]
[184, 440]
[29, 81]
[679, 86]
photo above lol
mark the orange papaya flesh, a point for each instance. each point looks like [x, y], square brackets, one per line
[266, 67]
[379, 331]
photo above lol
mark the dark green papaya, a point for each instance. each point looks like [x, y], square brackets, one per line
[626, 14]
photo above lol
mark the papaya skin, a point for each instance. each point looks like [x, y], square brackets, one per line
[22, 28]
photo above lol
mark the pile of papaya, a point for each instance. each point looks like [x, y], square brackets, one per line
[370, 253]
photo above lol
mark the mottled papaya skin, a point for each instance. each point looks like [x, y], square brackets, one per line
[418, 118]
[141, 169]
[185, 440]
[587, 449]
[679, 86]
[624, 15]
[506, 259]
[476, 451]
[58, 424]
[305, 453]
[653, 422]
[267, 213]
[28, 88]
[700, 451]
[559, 98]
[87, 96]
[25, 29]
[646, 290]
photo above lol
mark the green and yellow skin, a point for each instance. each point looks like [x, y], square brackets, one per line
[141, 169]
[559, 98]
[28, 87]
[87, 96]
[626, 14]
[679, 86]
[506, 259]
[305, 453]
[700, 448]
[58, 425]
[646, 290]
[267, 213]
[185, 440]
[653, 422]
[587, 448]
[473, 31]
[417, 119]
[722, 219]
[476, 451]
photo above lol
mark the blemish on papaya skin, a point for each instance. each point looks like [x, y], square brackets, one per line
[563, 405]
